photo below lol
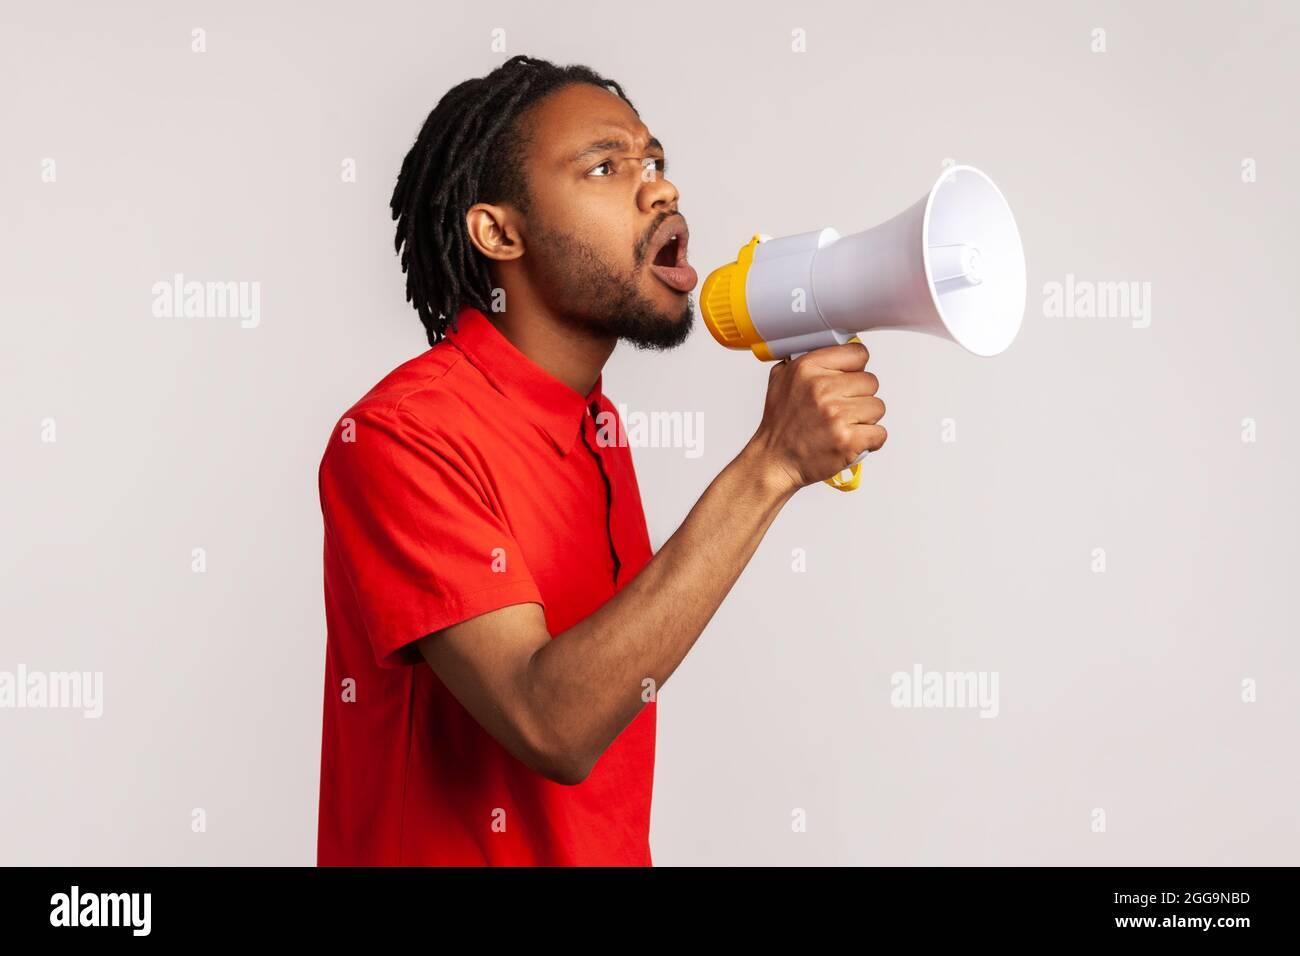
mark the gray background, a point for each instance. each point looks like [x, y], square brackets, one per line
[1119, 690]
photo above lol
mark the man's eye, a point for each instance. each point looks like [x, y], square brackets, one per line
[660, 164]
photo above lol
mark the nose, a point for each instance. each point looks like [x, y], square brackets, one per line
[657, 192]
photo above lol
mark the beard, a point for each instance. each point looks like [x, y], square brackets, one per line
[596, 297]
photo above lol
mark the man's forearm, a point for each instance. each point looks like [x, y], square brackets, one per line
[588, 681]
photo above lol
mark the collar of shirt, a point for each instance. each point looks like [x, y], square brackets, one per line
[549, 403]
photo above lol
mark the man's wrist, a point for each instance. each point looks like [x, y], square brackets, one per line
[766, 474]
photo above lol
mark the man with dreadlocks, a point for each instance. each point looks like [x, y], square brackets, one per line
[498, 625]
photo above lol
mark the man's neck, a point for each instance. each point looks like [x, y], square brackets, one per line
[564, 351]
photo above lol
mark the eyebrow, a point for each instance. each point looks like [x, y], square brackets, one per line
[607, 144]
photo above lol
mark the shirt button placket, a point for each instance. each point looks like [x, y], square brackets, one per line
[609, 488]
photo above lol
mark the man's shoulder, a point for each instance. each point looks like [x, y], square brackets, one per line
[426, 397]
[426, 378]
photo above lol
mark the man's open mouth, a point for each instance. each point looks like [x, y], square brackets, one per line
[669, 261]
[668, 252]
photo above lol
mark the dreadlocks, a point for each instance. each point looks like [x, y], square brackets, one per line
[472, 148]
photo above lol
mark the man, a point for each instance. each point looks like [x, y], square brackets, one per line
[497, 623]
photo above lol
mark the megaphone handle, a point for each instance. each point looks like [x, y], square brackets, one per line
[855, 467]
[850, 483]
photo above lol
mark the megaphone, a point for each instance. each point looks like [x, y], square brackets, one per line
[951, 265]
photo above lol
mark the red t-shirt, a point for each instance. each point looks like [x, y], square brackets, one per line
[469, 479]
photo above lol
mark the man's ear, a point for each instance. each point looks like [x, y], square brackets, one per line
[494, 230]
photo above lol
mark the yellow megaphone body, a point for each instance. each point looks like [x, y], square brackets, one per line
[951, 265]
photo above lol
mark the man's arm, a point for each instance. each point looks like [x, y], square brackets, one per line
[558, 703]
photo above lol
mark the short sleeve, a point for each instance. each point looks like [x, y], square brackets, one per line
[408, 526]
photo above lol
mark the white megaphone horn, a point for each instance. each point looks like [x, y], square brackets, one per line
[951, 265]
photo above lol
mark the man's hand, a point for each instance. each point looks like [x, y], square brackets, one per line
[820, 414]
